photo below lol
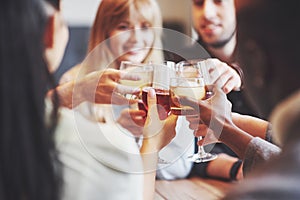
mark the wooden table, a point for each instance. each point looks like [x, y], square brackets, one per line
[193, 188]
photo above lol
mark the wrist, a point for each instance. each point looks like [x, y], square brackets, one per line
[235, 171]
[221, 167]
[64, 92]
[236, 139]
[150, 161]
[240, 72]
[74, 92]
[148, 147]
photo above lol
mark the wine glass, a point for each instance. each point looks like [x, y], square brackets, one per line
[197, 89]
[161, 81]
[144, 72]
[188, 68]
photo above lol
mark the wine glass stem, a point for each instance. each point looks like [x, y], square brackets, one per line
[201, 150]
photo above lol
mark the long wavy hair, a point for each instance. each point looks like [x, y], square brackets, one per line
[27, 152]
[110, 13]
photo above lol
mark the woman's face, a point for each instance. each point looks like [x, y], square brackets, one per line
[131, 39]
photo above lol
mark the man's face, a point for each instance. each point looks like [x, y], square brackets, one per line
[214, 21]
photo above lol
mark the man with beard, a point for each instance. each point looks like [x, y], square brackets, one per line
[215, 24]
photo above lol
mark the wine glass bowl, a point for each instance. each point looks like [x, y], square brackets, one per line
[162, 99]
[161, 82]
[144, 72]
[185, 87]
[188, 69]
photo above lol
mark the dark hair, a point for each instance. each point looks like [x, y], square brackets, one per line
[27, 151]
[268, 42]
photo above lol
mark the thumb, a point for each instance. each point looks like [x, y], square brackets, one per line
[153, 125]
[152, 107]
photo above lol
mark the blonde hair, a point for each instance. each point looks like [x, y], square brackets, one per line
[110, 13]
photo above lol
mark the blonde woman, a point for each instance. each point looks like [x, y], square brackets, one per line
[122, 30]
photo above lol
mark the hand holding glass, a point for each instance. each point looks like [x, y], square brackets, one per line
[144, 72]
[192, 88]
[161, 83]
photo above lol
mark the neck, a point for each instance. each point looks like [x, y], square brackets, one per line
[224, 53]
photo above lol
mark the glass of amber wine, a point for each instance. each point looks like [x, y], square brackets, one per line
[161, 82]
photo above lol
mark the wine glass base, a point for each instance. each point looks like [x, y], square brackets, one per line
[204, 157]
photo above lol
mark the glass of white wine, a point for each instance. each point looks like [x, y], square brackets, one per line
[188, 68]
[192, 88]
[144, 72]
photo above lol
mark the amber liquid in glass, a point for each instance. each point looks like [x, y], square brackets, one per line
[163, 101]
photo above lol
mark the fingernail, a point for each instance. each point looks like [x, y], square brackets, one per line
[225, 90]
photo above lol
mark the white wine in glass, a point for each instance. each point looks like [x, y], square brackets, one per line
[192, 88]
[185, 87]
[144, 72]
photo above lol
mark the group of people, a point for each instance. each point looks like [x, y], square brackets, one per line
[50, 148]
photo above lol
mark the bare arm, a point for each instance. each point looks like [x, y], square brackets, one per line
[157, 134]
[100, 87]
[252, 125]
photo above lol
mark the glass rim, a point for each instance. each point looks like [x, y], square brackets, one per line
[179, 80]
[191, 61]
[186, 78]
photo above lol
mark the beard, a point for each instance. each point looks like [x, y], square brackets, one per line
[221, 43]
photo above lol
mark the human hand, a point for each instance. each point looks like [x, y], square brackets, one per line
[223, 75]
[157, 133]
[102, 87]
[133, 121]
[213, 114]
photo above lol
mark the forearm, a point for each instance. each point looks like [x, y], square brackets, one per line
[67, 97]
[236, 139]
[150, 161]
[220, 167]
[252, 125]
